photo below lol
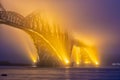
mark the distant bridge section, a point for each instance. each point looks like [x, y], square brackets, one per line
[12, 18]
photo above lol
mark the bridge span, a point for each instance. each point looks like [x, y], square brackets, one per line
[55, 45]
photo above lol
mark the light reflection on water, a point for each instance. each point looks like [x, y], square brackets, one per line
[60, 74]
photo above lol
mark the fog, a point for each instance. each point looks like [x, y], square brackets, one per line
[94, 21]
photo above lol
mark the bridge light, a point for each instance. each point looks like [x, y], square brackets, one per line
[97, 63]
[77, 63]
[67, 62]
[34, 61]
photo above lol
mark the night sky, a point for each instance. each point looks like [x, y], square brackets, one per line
[97, 21]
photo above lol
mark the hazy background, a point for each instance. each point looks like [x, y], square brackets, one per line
[95, 21]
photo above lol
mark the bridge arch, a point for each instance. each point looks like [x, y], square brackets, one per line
[18, 21]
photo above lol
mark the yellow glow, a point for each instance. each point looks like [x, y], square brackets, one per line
[77, 63]
[76, 54]
[89, 50]
[34, 57]
[92, 54]
[97, 63]
[34, 61]
[67, 62]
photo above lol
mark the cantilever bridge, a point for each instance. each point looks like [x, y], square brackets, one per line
[55, 46]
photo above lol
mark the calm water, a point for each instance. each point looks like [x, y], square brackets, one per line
[60, 73]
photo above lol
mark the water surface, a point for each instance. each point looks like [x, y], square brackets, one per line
[18, 73]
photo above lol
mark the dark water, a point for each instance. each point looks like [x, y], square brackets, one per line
[60, 73]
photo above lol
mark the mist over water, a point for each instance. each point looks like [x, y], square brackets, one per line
[84, 19]
[83, 38]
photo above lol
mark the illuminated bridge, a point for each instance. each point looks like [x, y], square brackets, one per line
[56, 47]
